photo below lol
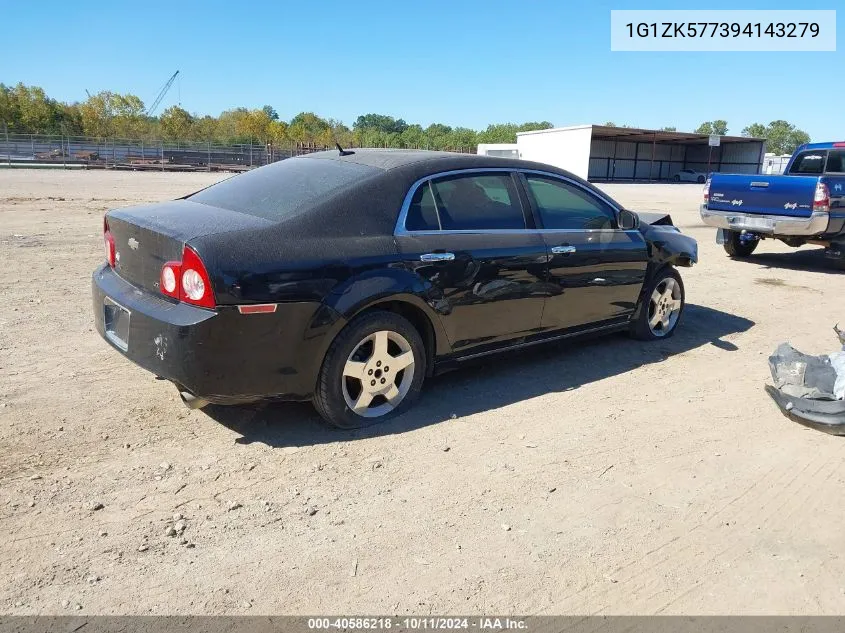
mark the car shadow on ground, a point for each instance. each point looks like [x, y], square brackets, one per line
[495, 382]
[807, 260]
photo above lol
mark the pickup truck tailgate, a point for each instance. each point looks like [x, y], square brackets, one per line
[763, 194]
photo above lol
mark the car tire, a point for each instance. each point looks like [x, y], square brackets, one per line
[735, 247]
[701, 180]
[676, 178]
[658, 314]
[356, 367]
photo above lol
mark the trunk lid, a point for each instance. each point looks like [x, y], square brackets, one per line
[148, 236]
[763, 194]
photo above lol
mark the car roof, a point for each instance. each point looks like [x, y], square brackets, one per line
[387, 159]
[368, 205]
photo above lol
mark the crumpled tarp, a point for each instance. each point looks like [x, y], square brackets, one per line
[810, 389]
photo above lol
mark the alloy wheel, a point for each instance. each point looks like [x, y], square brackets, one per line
[664, 307]
[378, 374]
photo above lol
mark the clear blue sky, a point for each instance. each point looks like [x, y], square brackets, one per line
[458, 62]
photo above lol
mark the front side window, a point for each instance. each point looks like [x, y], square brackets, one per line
[564, 206]
[811, 162]
[478, 202]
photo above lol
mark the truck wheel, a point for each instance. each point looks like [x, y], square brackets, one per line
[660, 308]
[735, 246]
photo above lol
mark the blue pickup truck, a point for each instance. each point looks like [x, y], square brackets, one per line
[805, 205]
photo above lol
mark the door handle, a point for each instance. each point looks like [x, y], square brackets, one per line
[437, 257]
[563, 250]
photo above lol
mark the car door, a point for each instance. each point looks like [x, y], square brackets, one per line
[465, 235]
[596, 270]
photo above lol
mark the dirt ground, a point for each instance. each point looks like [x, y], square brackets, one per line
[609, 476]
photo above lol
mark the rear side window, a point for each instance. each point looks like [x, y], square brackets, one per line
[564, 206]
[478, 202]
[835, 162]
[284, 189]
[811, 162]
[422, 214]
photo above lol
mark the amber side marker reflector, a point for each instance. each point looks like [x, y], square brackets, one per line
[261, 308]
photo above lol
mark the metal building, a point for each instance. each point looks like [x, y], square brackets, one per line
[602, 153]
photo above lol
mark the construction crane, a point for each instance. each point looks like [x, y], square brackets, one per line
[151, 110]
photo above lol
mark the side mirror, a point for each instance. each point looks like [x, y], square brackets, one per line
[628, 220]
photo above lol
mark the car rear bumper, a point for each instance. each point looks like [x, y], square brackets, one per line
[816, 224]
[220, 355]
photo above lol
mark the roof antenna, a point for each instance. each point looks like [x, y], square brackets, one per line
[343, 152]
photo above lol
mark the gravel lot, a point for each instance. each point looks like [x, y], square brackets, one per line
[608, 476]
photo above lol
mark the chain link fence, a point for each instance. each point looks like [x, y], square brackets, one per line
[41, 150]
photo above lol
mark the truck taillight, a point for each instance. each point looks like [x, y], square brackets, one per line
[187, 280]
[707, 190]
[821, 201]
[108, 242]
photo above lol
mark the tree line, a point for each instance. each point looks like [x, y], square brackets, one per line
[782, 137]
[28, 110]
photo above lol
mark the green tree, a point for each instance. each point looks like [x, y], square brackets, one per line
[27, 109]
[380, 122]
[535, 125]
[781, 136]
[307, 127]
[463, 138]
[113, 114]
[413, 136]
[229, 128]
[506, 132]
[341, 134]
[668, 129]
[204, 128]
[755, 130]
[176, 123]
[271, 112]
[279, 133]
[254, 125]
[718, 126]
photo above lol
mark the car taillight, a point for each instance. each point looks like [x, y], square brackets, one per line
[707, 190]
[187, 280]
[839, 144]
[196, 286]
[108, 242]
[171, 273]
[821, 201]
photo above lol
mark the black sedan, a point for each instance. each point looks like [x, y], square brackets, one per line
[347, 277]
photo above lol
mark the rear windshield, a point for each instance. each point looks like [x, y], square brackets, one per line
[811, 162]
[284, 189]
